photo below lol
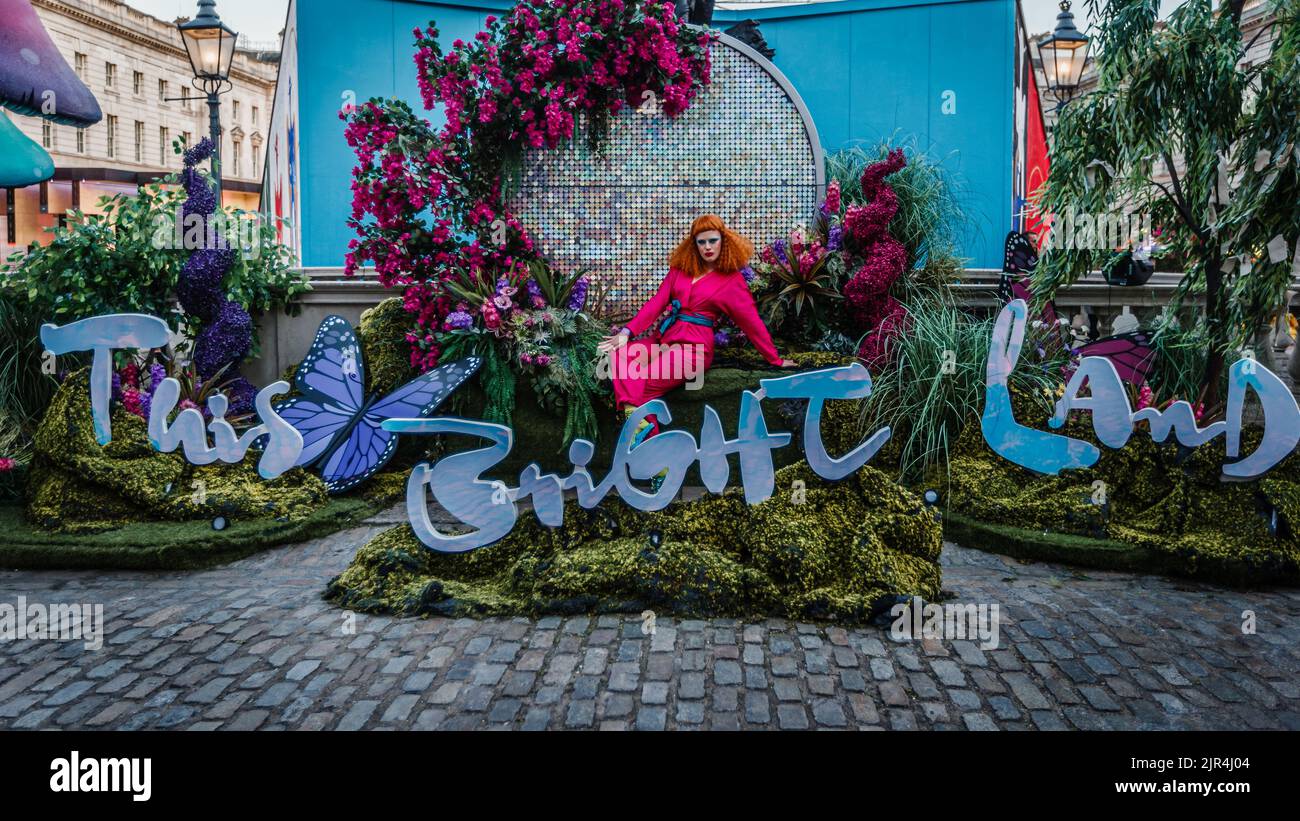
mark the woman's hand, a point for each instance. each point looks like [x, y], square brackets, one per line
[786, 363]
[612, 342]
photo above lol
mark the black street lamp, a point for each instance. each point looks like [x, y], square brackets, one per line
[1063, 56]
[210, 45]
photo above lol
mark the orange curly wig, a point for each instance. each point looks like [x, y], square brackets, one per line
[735, 254]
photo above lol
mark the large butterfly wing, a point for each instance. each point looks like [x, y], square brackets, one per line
[317, 423]
[368, 446]
[422, 395]
[331, 381]
[1130, 353]
[332, 371]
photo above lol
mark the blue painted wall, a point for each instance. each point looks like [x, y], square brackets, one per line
[867, 69]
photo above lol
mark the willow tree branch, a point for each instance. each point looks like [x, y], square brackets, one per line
[1180, 202]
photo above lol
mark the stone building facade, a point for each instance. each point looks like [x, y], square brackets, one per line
[136, 66]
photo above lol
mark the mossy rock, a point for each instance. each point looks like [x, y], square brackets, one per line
[843, 550]
[1165, 501]
[384, 348]
[79, 487]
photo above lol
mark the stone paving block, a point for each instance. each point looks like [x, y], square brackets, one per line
[255, 647]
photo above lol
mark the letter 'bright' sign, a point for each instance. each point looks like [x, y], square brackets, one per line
[456, 481]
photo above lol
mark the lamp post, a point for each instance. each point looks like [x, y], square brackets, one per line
[210, 45]
[1063, 56]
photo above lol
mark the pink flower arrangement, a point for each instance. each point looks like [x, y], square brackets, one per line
[7, 464]
[883, 257]
[831, 205]
[514, 82]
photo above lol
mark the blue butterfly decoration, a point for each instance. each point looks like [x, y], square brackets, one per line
[340, 425]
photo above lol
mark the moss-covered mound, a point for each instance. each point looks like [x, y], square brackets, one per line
[841, 550]
[168, 545]
[1146, 505]
[78, 488]
[382, 335]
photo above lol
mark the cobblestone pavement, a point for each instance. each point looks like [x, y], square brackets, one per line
[252, 645]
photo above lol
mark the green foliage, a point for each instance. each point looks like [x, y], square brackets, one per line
[556, 286]
[844, 550]
[124, 261]
[171, 545]
[102, 263]
[936, 383]
[25, 391]
[382, 335]
[799, 283]
[1184, 90]
[1179, 369]
[553, 347]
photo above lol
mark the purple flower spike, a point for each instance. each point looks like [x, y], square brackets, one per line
[578, 296]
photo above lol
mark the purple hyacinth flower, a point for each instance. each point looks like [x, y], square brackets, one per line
[778, 248]
[748, 273]
[534, 290]
[578, 296]
[459, 321]
[835, 238]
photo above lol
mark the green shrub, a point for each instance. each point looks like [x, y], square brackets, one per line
[120, 262]
[935, 384]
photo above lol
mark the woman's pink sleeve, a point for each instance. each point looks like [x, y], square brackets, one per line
[740, 307]
[651, 310]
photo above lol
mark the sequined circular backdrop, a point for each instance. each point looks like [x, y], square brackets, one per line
[742, 150]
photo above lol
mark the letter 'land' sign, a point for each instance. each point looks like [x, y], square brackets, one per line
[1113, 418]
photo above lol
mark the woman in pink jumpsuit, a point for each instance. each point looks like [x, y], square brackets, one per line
[703, 284]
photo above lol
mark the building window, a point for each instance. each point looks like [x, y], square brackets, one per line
[162, 91]
[164, 142]
[254, 115]
[47, 134]
[139, 141]
[137, 83]
[110, 75]
[80, 60]
[188, 139]
[237, 153]
[81, 141]
[257, 161]
[236, 117]
[185, 97]
[112, 135]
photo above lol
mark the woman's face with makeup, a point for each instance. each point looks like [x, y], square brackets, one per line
[709, 244]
